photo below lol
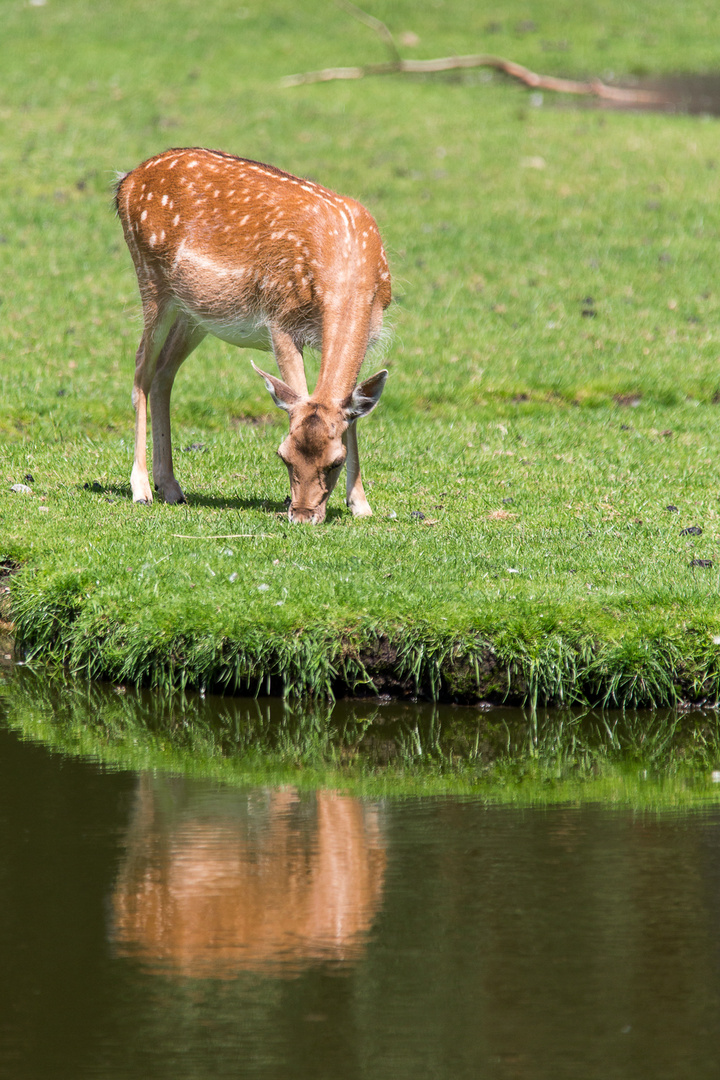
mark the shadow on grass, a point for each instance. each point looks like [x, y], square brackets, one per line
[212, 502]
[123, 492]
[215, 502]
[267, 506]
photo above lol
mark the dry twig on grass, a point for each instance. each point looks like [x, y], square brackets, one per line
[397, 65]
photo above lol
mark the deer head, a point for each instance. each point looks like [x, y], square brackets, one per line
[314, 449]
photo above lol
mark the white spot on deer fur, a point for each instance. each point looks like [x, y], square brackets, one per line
[216, 193]
[176, 219]
[164, 200]
[245, 219]
[192, 164]
[143, 215]
[152, 240]
[149, 196]
[162, 235]
[173, 163]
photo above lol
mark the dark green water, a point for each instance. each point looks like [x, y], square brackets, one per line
[155, 926]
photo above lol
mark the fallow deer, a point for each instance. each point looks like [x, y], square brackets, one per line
[264, 260]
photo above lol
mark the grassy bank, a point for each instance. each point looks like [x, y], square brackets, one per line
[553, 381]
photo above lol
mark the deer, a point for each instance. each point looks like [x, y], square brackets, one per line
[262, 259]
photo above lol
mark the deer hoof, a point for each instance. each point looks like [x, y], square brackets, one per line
[171, 492]
[361, 509]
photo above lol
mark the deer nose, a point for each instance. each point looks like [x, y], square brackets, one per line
[300, 515]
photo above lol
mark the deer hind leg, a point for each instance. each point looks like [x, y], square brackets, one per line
[183, 338]
[355, 493]
[158, 320]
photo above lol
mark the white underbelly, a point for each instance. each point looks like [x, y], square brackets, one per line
[246, 333]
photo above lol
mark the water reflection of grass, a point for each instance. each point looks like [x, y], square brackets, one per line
[504, 755]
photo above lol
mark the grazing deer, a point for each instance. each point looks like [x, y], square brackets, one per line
[263, 260]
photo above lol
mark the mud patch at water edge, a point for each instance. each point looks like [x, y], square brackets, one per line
[7, 644]
[696, 95]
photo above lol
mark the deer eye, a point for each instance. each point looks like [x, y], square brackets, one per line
[337, 464]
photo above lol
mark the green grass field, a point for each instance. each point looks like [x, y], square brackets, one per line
[554, 362]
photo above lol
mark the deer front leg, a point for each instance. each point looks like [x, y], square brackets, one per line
[355, 493]
[183, 338]
[359, 403]
[290, 361]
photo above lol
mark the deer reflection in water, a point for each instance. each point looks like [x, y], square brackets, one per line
[218, 882]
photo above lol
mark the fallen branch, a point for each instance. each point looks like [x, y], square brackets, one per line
[375, 24]
[593, 88]
[398, 66]
[226, 536]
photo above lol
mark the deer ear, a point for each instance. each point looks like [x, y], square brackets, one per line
[279, 391]
[365, 396]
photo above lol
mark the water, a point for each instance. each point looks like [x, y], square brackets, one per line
[155, 925]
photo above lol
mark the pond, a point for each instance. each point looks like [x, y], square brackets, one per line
[156, 923]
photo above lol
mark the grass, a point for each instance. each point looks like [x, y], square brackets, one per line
[502, 756]
[553, 370]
